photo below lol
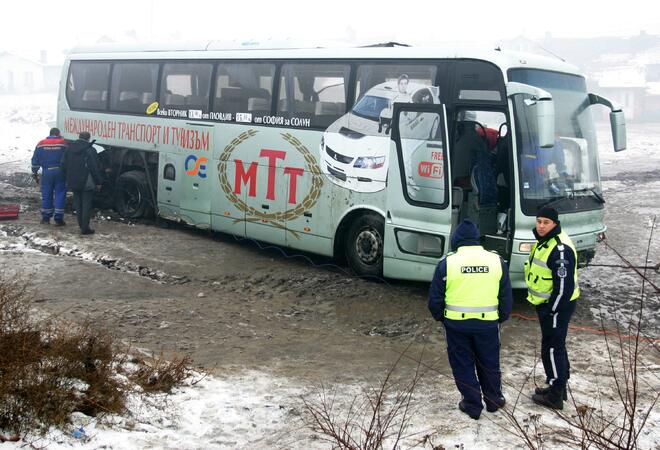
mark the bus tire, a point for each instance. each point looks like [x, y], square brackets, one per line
[364, 245]
[132, 196]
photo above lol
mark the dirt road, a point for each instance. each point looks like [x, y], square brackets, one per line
[233, 303]
[296, 320]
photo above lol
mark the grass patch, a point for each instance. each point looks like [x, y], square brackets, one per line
[50, 369]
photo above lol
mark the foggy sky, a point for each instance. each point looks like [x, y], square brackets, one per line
[30, 26]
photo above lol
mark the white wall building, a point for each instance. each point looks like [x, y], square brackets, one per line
[19, 75]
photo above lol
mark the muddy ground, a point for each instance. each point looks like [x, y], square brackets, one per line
[251, 312]
[234, 303]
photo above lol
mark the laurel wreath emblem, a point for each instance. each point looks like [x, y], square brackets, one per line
[280, 217]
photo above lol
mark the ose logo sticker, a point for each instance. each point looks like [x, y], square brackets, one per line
[198, 167]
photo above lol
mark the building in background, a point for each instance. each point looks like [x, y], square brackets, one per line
[624, 69]
[19, 75]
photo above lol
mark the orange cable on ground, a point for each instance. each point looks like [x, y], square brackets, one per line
[590, 329]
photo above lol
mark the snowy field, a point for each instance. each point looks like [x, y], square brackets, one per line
[258, 409]
[24, 121]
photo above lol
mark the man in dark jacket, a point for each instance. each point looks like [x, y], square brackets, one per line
[552, 285]
[83, 176]
[470, 294]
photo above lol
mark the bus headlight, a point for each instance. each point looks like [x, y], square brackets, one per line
[525, 247]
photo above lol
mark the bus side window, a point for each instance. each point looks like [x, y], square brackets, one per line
[244, 88]
[133, 87]
[87, 86]
[479, 81]
[186, 85]
[313, 94]
[169, 172]
[380, 86]
[369, 75]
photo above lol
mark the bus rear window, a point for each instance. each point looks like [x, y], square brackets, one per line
[87, 85]
[133, 87]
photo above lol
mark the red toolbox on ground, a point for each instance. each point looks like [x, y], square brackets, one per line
[9, 211]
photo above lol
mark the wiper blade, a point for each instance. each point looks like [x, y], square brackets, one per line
[597, 195]
[553, 201]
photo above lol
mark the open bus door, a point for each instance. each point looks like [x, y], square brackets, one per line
[419, 212]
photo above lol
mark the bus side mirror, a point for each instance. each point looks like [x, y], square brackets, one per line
[542, 109]
[618, 123]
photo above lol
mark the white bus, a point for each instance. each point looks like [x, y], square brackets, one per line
[371, 154]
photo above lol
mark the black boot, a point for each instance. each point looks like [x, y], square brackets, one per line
[461, 406]
[550, 400]
[545, 390]
[494, 405]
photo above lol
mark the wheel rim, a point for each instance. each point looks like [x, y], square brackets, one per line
[368, 245]
[132, 199]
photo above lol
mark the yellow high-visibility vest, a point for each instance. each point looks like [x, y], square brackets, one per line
[538, 275]
[473, 284]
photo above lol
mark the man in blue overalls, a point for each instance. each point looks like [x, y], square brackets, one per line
[470, 294]
[48, 156]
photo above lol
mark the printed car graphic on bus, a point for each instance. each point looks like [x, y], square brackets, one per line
[355, 148]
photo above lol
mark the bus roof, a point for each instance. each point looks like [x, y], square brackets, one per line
[505, 59]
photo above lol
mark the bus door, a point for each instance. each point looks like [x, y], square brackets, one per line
[195, 182]
[170, 171]
[482, 174]
[419, 213]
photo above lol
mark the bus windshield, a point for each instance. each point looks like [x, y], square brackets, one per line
[566, 175]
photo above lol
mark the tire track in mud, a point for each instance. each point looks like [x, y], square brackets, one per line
[32, 241]
[312, 295]
[264, 284]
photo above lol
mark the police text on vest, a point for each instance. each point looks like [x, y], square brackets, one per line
[474, 269]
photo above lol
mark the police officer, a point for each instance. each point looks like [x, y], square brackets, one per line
[47, 157]
[552, 285]
[470, 294]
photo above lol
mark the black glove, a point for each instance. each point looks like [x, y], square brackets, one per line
[35, 176]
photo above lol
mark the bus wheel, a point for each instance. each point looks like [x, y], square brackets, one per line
[364, 245]
[132, 197]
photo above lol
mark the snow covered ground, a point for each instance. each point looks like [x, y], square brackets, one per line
[255, 410]
[24, 121]
[258, 409]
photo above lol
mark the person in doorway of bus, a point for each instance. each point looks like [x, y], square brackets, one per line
[552, 285]
[48, 157]
[83, 176]
[471, 295]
